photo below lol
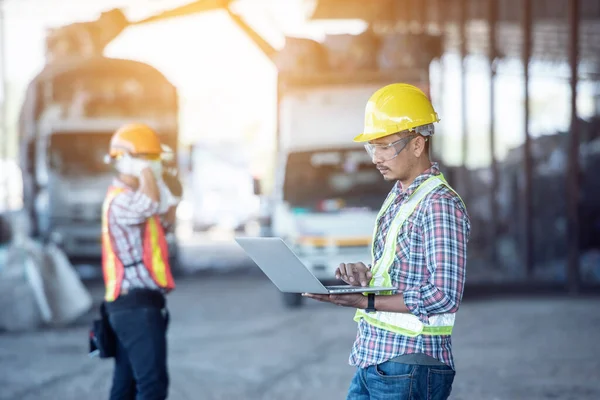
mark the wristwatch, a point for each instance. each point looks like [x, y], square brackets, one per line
[371, 303]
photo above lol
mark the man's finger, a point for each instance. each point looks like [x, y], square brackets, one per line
[339, 272]
[364, 278]
[350, 272]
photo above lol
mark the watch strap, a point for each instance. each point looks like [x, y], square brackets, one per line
[371, 303]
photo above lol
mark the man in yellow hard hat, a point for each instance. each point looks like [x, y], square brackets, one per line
[135, 262]
[403, 347]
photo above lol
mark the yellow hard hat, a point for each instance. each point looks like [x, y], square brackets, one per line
[135, 139]
[395, 108]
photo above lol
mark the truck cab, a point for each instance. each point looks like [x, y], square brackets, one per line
[71, 110]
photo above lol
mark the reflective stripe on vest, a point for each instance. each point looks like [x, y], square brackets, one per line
[155, 253]
[402, 323]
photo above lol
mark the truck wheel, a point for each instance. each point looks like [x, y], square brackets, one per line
[292, 300]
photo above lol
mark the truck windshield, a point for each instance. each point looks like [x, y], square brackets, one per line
[345, 175]
[81, 153]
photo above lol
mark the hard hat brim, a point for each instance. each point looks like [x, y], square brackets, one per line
[367, 137]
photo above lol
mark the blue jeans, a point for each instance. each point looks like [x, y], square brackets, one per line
[391, 380]
[141, 356]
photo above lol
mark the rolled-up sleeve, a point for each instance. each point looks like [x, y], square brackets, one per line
[167, 226]
[132, 208]
[445, 234]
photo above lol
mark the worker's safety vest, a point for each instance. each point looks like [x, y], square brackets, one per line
[403, 323]
[155, 255]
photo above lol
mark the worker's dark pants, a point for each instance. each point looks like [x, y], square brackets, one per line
[141, 357]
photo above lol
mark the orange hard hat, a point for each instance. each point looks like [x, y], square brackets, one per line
[135, 139]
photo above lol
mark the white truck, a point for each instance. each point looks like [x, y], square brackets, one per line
[327, 192]
[71, 110]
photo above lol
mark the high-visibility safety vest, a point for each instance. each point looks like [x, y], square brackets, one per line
[155, 255]
[403, 323]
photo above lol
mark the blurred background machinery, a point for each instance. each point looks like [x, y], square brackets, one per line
[259, 101]
[516, 84]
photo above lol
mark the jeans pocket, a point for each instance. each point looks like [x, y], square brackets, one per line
[391, 380]
[439, 383]
[394, 370]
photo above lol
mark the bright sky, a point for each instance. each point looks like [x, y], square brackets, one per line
[214, 66]
[226, 84]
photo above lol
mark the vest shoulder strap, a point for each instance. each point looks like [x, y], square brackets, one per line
[381, 266]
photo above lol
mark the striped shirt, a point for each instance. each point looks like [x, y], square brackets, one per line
[429, 269]
[127, 216]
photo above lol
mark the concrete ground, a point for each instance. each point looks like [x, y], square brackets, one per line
[231, 338]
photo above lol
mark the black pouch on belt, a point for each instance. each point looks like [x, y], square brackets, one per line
[103, 342]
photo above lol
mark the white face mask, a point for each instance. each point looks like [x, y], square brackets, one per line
[134, 166]
[157, 168]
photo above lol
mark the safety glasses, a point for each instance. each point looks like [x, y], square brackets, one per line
[386, 152]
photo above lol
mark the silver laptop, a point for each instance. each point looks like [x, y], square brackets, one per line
[287, 272]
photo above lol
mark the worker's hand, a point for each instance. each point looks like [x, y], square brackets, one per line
[354, 300]
[129, 165]
[354, 274]
[138, 166]
[157, 168]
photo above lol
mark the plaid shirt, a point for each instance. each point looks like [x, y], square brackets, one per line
[429, 269]
[127, 216]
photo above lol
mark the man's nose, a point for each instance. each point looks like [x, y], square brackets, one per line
[376, 158]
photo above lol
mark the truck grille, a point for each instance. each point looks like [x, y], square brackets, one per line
[85, 212]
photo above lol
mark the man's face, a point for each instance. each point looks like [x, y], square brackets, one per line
[395, 155]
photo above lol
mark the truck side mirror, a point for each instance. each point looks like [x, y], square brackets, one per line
[257, 188]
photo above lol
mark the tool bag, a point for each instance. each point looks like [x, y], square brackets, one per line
[103, 342]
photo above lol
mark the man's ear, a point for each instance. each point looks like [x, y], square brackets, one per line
[419, 146]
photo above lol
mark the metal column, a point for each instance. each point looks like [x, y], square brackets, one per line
[573, 177]
[493, 54]
[527, 157]
[3, 111]
[463, 96]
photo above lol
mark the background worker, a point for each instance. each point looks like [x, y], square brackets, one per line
[403, 347]
[135, 261]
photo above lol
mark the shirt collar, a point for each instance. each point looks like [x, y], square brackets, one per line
[428, 173]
